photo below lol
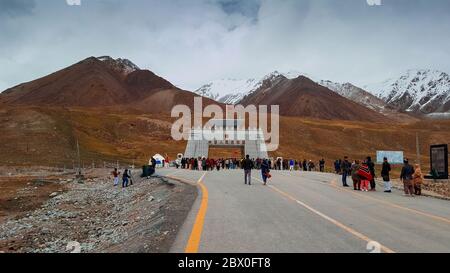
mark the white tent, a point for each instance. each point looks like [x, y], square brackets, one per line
[159, 160]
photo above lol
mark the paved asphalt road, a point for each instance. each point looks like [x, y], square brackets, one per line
[306, 212]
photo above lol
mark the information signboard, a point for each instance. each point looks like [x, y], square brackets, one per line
[439, 160]
[392, 156]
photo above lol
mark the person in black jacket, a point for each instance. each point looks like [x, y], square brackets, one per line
[345, 168]
[247, 165]
[322, 165]
[407, 177]
[385, 173]
[371, 166]
[125, 178]
[265, 171]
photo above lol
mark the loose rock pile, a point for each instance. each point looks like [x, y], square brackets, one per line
[102, 218]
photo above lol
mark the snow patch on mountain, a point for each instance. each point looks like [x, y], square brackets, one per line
[227, 91]
[124, 66]
[356, 94]
[422, 91]
[232, 91]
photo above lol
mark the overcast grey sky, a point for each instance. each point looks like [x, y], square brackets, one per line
[191, 42]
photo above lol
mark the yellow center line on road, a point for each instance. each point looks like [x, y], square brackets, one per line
[328, 218]
[196, 234]
[333, 184]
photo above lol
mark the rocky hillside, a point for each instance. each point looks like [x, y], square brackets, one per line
[100, 82]
[417, 91]
[302, 97]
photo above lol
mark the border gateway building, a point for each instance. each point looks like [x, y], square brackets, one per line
[226, 134]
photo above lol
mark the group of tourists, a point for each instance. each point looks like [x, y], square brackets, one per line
[298, 165]
[210, 164]
[127, 178]
[363, 175]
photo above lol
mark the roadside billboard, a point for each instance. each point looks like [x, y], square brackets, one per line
[394, 157]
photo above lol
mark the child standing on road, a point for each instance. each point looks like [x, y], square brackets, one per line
[365, 185]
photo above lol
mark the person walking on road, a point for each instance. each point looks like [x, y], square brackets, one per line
[247, 165]
[345, 168]
[385, 173]
[407, 178]
[265, 171]
[418, 180]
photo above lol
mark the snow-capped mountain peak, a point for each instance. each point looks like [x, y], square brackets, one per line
[228, 91]
[232, 91]
[123, 65]
[417, 90]
[356, 94]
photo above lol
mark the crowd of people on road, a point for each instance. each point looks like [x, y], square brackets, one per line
[362, 173]
[210, 164]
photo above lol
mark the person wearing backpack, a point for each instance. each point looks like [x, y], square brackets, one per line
[407, 178]
[385, 173]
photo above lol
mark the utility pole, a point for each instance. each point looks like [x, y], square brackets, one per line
[418, 148]
[79, 158]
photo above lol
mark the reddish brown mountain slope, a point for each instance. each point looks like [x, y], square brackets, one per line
[304, 98]
[100, 82]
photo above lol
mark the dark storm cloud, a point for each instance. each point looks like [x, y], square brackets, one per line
[249, 8]
[191, 42]
[16, 7]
